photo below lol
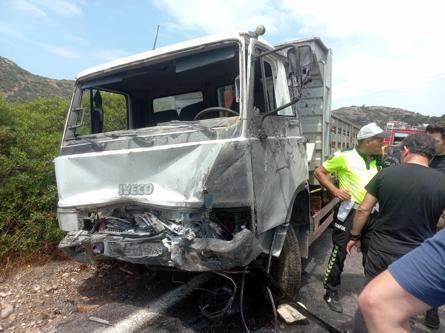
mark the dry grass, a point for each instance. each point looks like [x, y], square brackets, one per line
[11, 261]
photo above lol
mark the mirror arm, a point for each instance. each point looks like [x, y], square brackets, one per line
[255, 57]
[262, 134]
[292, 102]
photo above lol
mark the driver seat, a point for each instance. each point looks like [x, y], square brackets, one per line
[189, 112]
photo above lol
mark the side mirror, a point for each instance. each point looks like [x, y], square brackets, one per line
[300, 60]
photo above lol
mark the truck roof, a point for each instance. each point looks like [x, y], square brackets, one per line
[141, 57]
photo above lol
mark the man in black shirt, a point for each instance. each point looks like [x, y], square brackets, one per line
[411, 198]
[437, 132]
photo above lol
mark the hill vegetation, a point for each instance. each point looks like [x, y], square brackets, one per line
[362, 115]
[30, 134]
[18, 85]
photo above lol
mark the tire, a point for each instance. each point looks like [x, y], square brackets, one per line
[286, 269]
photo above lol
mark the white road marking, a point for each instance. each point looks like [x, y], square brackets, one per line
[152, 310]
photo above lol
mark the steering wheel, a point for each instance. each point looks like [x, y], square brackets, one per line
[212, 109]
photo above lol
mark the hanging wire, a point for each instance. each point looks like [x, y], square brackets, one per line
[274, 309]
[269, 293]
[241, 301]
[212, 307]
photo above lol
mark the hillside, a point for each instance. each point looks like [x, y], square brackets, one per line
[18, 85]
[362, 115]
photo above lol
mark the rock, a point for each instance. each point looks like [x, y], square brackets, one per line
[65, 274]
[7, 310]
[50, 288]
[43, 316]
[86, 307]
[1, 328]
[12, 318]
[3, 295]
[64, 308]
[36, 289]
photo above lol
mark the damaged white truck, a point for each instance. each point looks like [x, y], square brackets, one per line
[195, 156]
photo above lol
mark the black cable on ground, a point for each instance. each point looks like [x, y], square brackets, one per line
[241, 301]
[212, 309]
[274, 309]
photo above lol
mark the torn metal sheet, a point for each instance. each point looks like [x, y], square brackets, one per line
[196, 254]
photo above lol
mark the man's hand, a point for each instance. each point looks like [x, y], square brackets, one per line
[342, 194]
[351, 244]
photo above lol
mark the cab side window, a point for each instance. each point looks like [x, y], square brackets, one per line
[263, 89]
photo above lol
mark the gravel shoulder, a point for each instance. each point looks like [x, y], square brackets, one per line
[39, 298]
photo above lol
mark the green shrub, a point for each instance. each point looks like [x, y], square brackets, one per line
[30, 135]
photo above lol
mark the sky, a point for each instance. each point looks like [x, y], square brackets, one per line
[385, 52]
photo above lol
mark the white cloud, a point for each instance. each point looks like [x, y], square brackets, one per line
[77, 39]
[29, 8]
[62, 51]
[379, 46]
[10, 32]
[221, 16]
[63, 7]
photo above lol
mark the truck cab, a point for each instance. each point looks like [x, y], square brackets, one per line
[194, 156]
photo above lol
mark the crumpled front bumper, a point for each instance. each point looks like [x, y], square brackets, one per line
[198, 254]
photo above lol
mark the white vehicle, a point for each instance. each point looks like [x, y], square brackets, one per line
[195, 156]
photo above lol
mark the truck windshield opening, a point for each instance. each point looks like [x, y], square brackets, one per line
[158, 92]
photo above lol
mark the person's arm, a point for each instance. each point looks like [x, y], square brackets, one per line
[441, 223]
[387, 307]
[324, 179]
[361, 216]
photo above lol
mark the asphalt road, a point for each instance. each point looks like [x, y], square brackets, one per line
[165, 311]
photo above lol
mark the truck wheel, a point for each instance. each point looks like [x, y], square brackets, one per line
[286, 269]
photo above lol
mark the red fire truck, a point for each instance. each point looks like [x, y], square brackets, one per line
[397, 135]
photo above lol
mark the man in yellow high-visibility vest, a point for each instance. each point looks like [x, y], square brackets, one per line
[355, 168]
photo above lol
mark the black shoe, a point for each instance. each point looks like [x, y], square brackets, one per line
[432, 318]
[333, 301]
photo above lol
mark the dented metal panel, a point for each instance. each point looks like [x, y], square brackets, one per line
[176, 176]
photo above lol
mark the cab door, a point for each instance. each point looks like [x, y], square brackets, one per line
[279, 168]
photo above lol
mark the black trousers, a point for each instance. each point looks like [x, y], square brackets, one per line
[340, 238]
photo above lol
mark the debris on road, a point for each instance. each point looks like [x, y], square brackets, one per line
[86, 307]
[289, 314]
[100, 320]
[7, 310]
